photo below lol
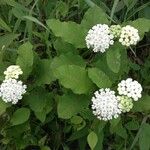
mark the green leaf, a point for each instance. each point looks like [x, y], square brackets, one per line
[63, 47]
[142, 24]
[143, 105]
[99, 78]
[144, 138]
[37, 100]
[70, 32]
[92, 139]
[74, 78]
[4, 26]
[70, 105]
[113, 57]
[132, 125]
[7, 39]
[44, 74]
[3, 106]
[67, 59]
[25, 58]
[20, 116]
[93, 16]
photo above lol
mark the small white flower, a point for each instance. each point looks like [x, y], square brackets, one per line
[13, 72]
[105, 104]
[12, 90]
[115, 30]
[130, 88]
[129, 36]
[99, 38]
[125, 103]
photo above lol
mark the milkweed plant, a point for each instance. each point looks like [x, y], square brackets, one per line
[74, 75]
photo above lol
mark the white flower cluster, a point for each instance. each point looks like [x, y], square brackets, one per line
[12, 90]
[99, 38]
[130, 88]
[129, 36]
[105, 105]
[13, 72]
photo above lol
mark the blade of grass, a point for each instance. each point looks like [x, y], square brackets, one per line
[33, 19]
[90, 3]
[113, 9]
[138, 9]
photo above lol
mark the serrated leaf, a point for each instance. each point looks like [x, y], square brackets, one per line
[99, 78]
[93, 16]
[74, 78]
[25, 58]
[70, 32]
[44, 74]
[92, 140]
[113, 57]
[70, 105]
[20, 116]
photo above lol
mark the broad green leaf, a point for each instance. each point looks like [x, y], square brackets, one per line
[142, 24]
[143, 105]
[40, 115]
[25, 58]
[20, 116]
[37, 100]
[67, 59]
[70, 32]
[74, 78]
[93, 16]
[99, 78]
[70, 105]
[92, 139]
[7, 39]
[144, 138]
[44, 74]
[63, 47]
[4, 26]
[113, 57]
[3, 106]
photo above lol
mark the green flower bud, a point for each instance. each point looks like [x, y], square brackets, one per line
[125, 103]
[115, 30]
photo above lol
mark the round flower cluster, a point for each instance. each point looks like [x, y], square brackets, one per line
[115, 30]
[129, 36]
[105, 104]
[125, 103]
[12, 90]
[99, 38]
[13, 71]
[130, 88]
